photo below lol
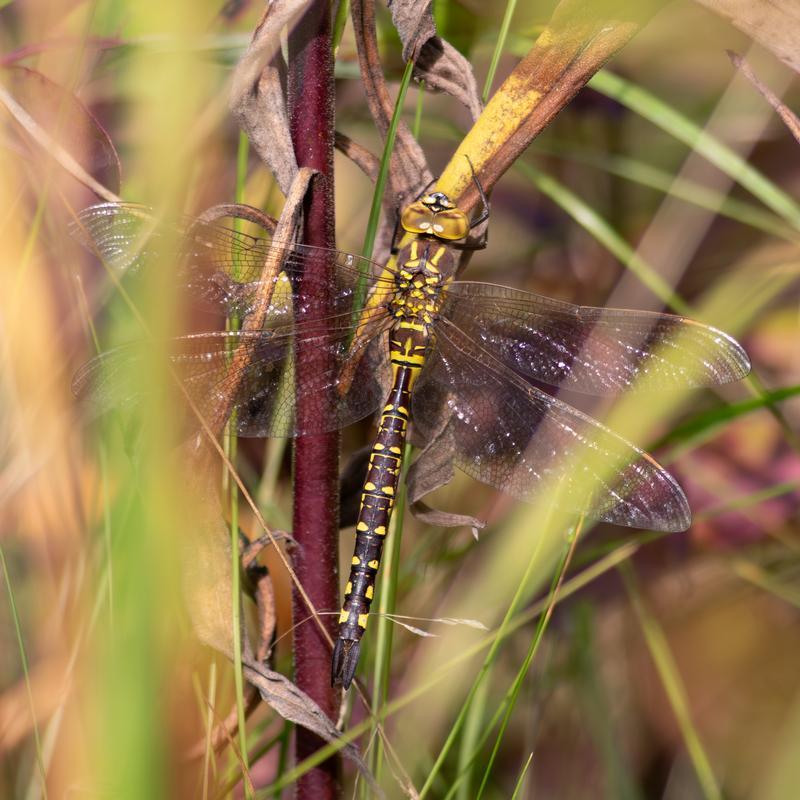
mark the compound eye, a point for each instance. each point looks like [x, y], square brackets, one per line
[416, 218]
[451, 225]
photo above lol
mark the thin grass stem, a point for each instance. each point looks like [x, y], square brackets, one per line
[672, 683]
[669, 119]
[486, 667]
[511, 6]
[23, 657]
[387, 602]
[233, 324]
[510, 700]
[380, 185]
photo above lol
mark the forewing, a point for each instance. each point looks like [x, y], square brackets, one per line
[516, 438]
[592, 350]
[219, 266]
[257, 370]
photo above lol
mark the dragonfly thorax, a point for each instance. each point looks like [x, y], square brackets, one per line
[419, 280]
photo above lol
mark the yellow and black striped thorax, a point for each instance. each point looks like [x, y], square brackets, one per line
[424, 267]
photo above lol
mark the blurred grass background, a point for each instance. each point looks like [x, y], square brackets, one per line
[668, 666]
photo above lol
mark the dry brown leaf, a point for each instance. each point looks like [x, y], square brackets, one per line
[433, 468]
[206, 557]
[408, 172]
[58, 122]
[260, 585]
[209, 598]
[257, 95]
[436, 61]
[296, 706]
[774, 24]
[366, 161]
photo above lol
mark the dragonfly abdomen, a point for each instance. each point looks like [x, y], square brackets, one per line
[407, 352]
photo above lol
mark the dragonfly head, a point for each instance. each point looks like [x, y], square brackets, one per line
[436, 215]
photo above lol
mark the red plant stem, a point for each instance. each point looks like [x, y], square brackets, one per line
[316, 458]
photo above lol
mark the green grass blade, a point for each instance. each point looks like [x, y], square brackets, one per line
[601, 230]
[521, 780]
[211, 701]
[360, 290]
[672, 683]
[749, 500]
[471, 743]
[699, 427]
[230, 446]
[691, 134]
[23, 657]
[486, 667]
[339, 24]
[510, 700]
[758, 576]
[502, 36]
[387, 602]
[380, 183]
[595, 705]
[644, 174]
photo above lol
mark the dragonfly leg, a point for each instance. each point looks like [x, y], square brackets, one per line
[483, 239]
[479, 186]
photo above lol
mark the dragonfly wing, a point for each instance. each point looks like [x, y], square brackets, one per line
[257, 370]
[219, 266]
[516, 438]
[592, 350]
[124, 235]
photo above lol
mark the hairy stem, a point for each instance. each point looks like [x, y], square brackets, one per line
[316, 488]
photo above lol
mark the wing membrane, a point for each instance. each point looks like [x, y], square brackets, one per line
[520, 440]
[352, 384]
[592, 350]
[220, 266]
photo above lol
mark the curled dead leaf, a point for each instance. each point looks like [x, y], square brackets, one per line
[58, 122]
[408, 172]
[294, 705]
[436, 61]
[432, 469]
[257, 96]
[366, 161]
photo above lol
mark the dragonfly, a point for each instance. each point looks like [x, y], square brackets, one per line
[428, 354]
